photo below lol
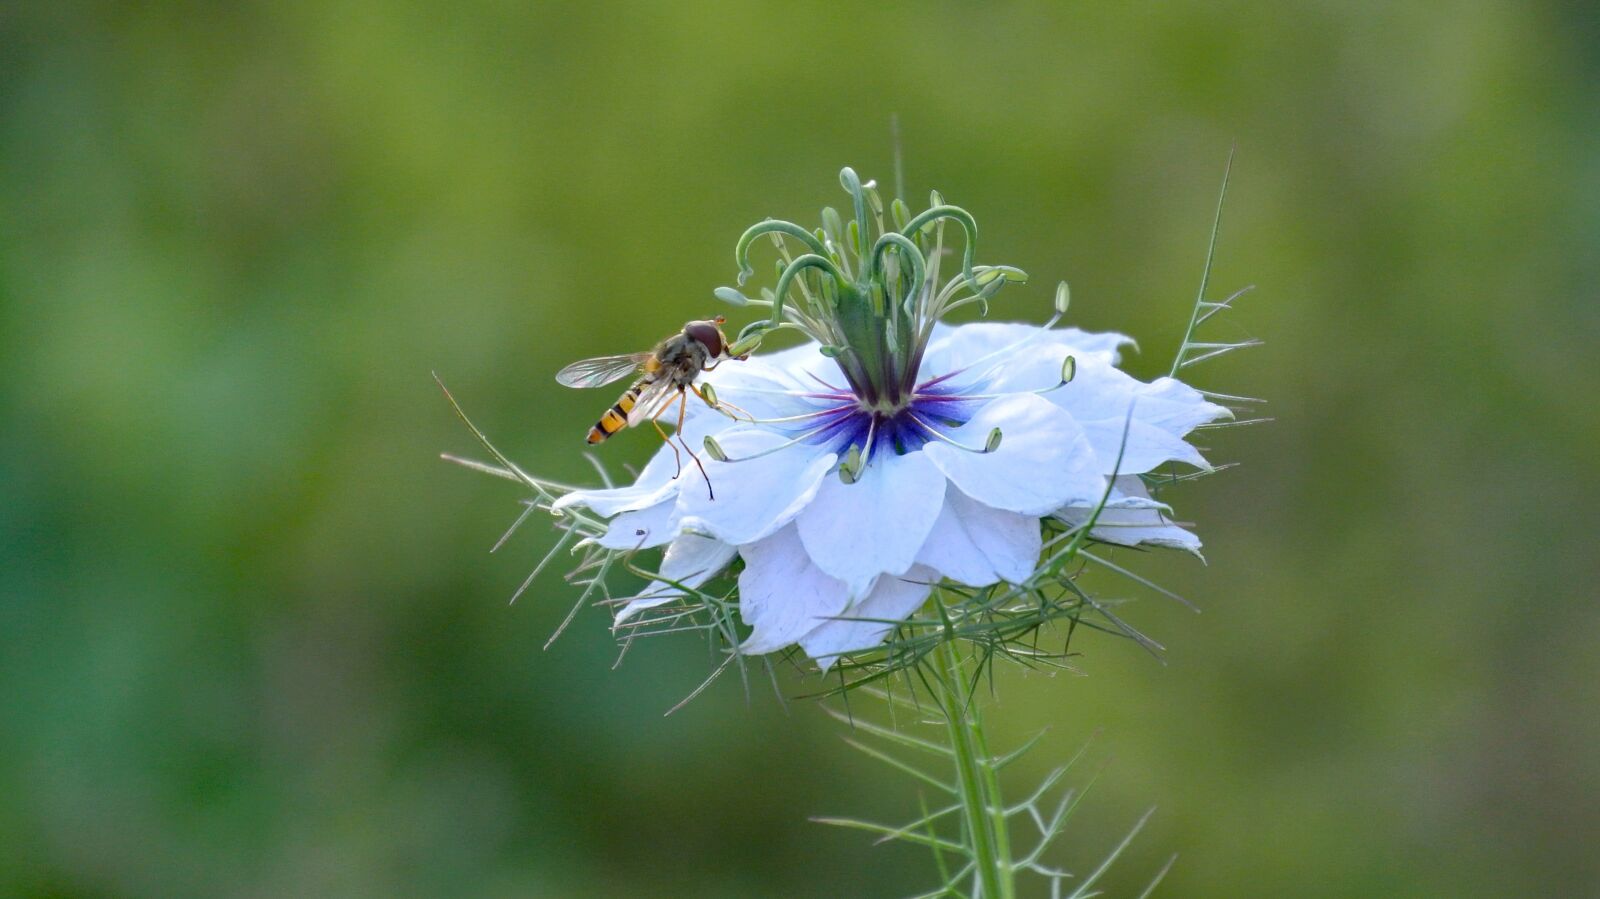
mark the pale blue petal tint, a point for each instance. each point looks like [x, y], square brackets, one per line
[977, 545]
[876, 525]
[757, 494]
[1043, 463]
[782, 595]
[892, 599]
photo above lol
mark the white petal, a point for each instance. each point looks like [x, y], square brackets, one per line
[653, 485]
[782, 596]
[1107, 344]
[976, 545]
[1132, 518]
[1044, 461]
[1004, 357]
[960, 346]
[691, 560]
[662, 476]
[893, 599]
[643, 528]
[775, 385]
[755, 495]
[1099, 392]
[856, 532]
[1146, 446]
[1174, 406]
[803, 364]
[1129, 492]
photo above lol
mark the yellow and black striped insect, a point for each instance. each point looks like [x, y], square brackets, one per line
[666, 375]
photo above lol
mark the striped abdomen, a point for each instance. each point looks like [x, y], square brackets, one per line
[616, 418]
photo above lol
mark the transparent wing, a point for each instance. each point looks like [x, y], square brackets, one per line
[651, 402]
[601, 370]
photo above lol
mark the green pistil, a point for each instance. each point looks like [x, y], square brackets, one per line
[866, 291]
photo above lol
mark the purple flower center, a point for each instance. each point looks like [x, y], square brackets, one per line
[843, 419]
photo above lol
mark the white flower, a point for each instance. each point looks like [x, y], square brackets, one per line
[892, 452]
[846, 501]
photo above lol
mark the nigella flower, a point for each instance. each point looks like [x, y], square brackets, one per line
[892, 451]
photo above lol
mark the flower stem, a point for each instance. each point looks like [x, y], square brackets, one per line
[982, 809]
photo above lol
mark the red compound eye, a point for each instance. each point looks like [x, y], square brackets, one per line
[707, 333]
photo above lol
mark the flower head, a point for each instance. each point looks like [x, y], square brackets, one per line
[891, 451]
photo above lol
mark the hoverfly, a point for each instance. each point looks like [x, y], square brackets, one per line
[666, 374]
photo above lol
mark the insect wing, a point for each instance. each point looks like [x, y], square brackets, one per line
[601, 370]
[651, 402]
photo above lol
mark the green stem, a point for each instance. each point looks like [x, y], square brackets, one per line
[1205, 273]
[982, 808]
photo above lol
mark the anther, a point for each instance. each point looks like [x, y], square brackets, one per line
[716, 451]
[850, 468]
[990, 444]
[1069, 370]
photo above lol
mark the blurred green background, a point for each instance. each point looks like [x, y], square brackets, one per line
[251, 639]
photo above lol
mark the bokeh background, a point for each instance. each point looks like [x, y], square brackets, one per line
[252, 642]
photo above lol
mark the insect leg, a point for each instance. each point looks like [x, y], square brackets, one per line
[722, 404]
[676, 457]
[683, 410]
